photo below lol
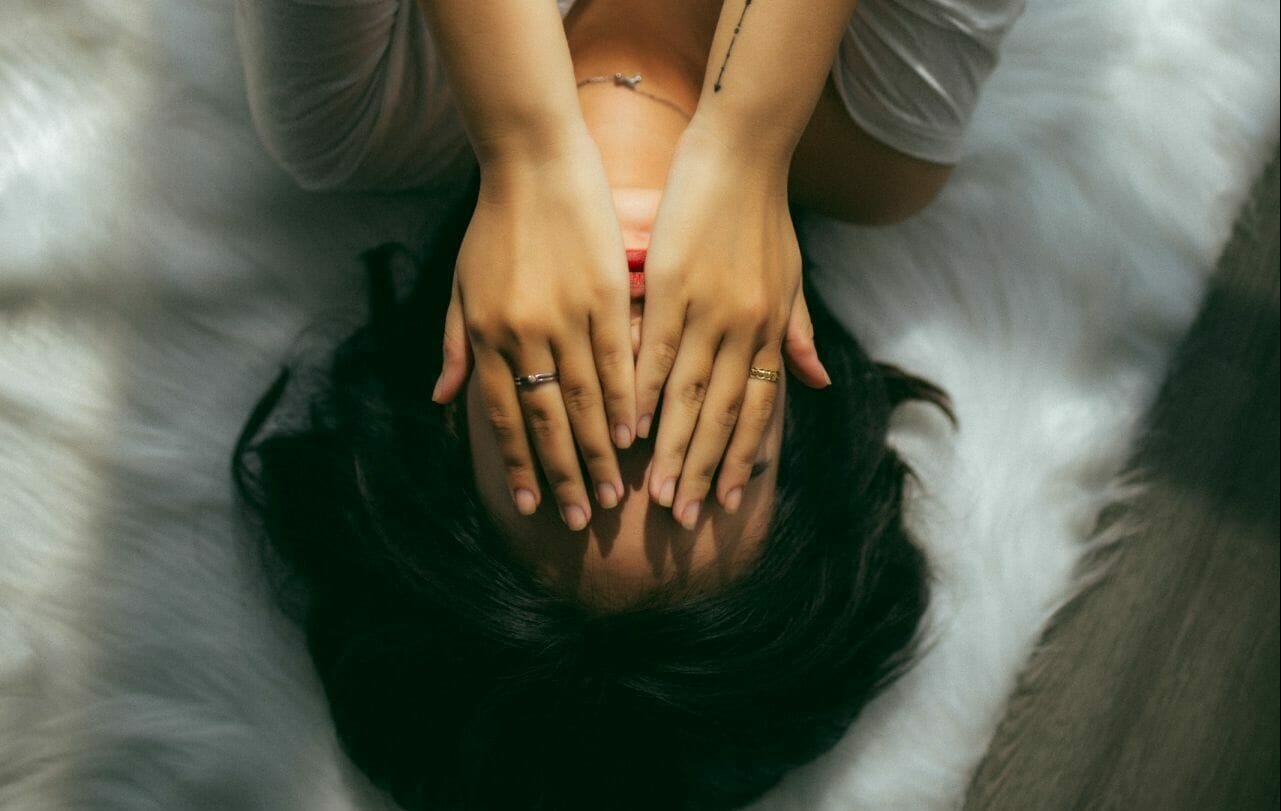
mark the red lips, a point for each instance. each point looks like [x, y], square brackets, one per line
[636, 272]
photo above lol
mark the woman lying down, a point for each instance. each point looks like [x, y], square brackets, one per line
[740, 584]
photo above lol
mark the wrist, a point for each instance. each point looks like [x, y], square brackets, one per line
[559, 163]
[750, 165]
[759, 140]
[522, 140]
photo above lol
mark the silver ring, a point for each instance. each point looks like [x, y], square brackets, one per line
[534, 379]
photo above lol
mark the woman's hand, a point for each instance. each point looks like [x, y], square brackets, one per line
[541, 285]
[722, 281]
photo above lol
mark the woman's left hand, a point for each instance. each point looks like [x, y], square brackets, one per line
[722, 291]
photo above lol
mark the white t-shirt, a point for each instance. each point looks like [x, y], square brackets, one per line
[351, 93]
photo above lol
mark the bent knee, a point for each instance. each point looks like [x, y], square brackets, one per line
[905, 192]
[877, 197]
[840, 171]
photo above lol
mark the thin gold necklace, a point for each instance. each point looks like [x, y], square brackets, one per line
[630, 83]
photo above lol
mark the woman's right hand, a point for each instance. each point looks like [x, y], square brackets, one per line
[541, 285]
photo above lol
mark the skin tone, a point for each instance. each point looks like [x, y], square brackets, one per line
[628, 551]
[564, 194]
[541, 276]
[637, 545]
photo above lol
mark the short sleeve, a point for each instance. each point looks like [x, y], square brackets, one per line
[348, 94]
[910, 71]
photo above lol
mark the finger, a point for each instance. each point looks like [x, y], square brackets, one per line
[457, 352]
[759, 401]
[802, 355]
[661, 331]
[615, 375]
[581, 394]
[683, 399]
[544, 408]
[504, 415]
[716, 423]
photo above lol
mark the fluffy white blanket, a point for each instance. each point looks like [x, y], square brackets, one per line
[155, 266]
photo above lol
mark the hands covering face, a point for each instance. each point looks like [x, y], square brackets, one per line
[541, 285]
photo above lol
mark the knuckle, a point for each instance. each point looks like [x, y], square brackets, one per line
[482, 330]
[763, 408]
[603, 287]
[616, 400]
[580, 398]
[756, 313]
[695, 485]
[610, 359]
[664, 351]
[505, 428]
[598, 461]
[519, 327]
[516, 462]
[518, 470]
[772, 328]
[562, 484]
[596, 451]
[738, 463]
[564, 481]
[541, 425]
[727, 419]
[698, 475]
[747, 309]
[565, 491]
[692, 394]
[673, 452]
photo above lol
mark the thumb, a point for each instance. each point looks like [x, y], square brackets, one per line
[457, 352]
[799, 349]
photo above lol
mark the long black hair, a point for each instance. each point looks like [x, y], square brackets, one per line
[457, 680]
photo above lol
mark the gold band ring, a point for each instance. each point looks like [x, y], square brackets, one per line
[767, 375]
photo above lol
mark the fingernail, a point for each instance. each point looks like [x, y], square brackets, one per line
[667, 494]
[827, 377]
[690, 518]
[732, 499]
[526, 504]
[622, 436]
[642, 426]
[435, 392]
[607, 495]
[574, 517]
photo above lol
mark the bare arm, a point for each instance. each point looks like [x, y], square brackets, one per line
[840, 171]
[509, 65]
[724, 265]
[765, 72]
[541, 278]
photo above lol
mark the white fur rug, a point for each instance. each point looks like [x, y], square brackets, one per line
[155, 267]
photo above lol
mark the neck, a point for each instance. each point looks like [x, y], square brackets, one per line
[635, 134]
[667, 42]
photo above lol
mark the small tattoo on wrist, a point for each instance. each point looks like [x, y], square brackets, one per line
[737, 27]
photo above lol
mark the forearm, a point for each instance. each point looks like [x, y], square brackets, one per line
[765, 72]
[509, 66]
